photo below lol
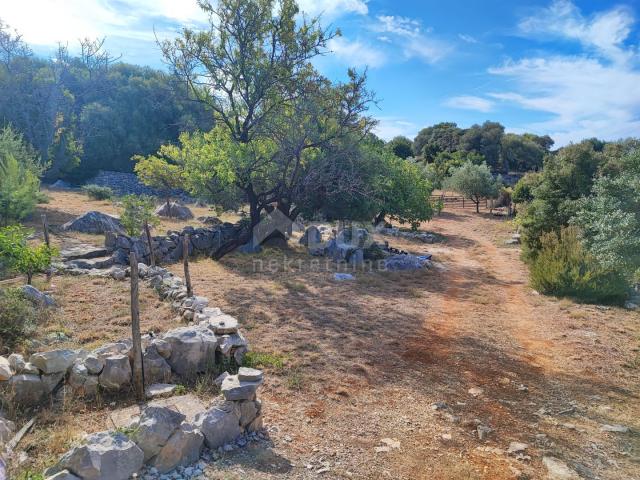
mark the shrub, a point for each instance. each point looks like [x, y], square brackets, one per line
[18, 256]
[98, 192]
[19, 317]
[136, 211]
[565, 269]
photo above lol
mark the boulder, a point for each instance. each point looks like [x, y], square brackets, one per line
[94, 364]
[7, 427]
[235, 389]
[219, 425]
[183, 448]
[174, 210]
[94, 222]
[37, 296]
[249, 411]
[116, 372]
[82, 382]
[155, 427]
[311, 237]
[27, 390]
[17, 363]
[54, 361]
[192, 349]
[156, 368]
[197, 304]
[52, 380]
[123, 347]
[162, 347]
[104, 456]
[5, 369]
[227, 343]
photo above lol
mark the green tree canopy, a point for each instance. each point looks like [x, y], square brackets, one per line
[401, 147]
[475, 182]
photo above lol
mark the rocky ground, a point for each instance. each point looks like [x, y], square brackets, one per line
[449, 373]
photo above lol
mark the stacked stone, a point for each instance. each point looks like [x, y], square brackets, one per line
[210, 337]
[164, 439]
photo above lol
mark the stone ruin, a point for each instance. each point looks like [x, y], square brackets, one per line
[161, 438]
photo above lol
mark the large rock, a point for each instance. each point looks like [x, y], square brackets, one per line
[155, 427]
[311, 237]
[82, 381]
[37, 296]
[192, 349]
[7, 427]
[249, 411]
[52, 380]
[116, 372]
[54, 361]
[183, 448]
[104, 456]
[223, 324]
[220, 424]
[27, 390]
[123, 347]
[17, 363]
[174, 210]
[94, 364]
[5, 369]
[235, 389]
[156, 368]
[94, 222]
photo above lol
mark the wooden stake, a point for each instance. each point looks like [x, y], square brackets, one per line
[185, 261]
[152, 256]
[138, 375]
[45, 229]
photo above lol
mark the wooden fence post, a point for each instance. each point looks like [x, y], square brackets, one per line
[138, 374]
[45, 229]
[152, 255]
[185, 261]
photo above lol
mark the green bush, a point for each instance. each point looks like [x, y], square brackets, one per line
[19, 317]
[565, 269]
[136, 211]
[98, 192]
[17, 255]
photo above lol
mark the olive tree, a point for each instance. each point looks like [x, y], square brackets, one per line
[475, 182]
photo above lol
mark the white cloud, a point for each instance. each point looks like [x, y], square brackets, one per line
[467, 38]
[584, 97]
[69, 20]
[333, 8]
[469, 102]
[603, 32]
[389, 127]
[410, 36]
[357, 53]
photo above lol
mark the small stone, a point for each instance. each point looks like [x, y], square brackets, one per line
[476, 391]
[235, 389]
[63, 475]
[7, 427]
[615, 428]
[17, 363]
[516, 447]
[94, 364]
[220, 378]
[341, 277]
[223, 324]
[558, 470]
[446, 436]
[159, 390]
[483, 431]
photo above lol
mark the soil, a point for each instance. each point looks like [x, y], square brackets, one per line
[390, 375]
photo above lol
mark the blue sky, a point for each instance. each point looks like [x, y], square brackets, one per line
[570, 69]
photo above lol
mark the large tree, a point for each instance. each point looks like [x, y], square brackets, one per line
[474, 182]
[442, 137]
[274, 113]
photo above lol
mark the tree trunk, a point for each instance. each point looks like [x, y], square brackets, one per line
[169, 206]
[379, 218]
[29, 278]
[477, 206]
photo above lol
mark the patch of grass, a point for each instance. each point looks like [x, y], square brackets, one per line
[180, 390]
[128, 431]
[295, 286]
[295, 379]
[98, 192]
[264, 360]
[29, 475]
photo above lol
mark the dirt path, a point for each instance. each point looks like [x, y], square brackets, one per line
[393, 375]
